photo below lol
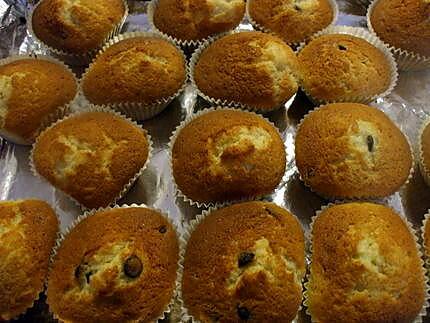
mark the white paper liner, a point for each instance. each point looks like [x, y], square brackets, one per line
[406, 60]
[136, 110]
[70, 58]
[178, 192]
[425, 247]
[425, 172]
[426, 304]
[373, 40]
[94, 108]
[89, 213]
[59, 113]
[262, 28]
[189, 229]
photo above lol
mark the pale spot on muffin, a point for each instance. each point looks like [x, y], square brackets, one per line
[5, 94]
[364, 139]
[224, 9]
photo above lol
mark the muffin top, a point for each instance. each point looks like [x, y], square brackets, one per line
[425, 146]
[91, 156]
[28, 229]
[76, 26]
[347, 150]
[197, 19]
[30, 90]
[426, 235]
[294, 21]
[117, 265]
[340, 67]
[403, 24]
[245, 262]
[227, 155]
[251, 68]
[365, 266]
[138, 70]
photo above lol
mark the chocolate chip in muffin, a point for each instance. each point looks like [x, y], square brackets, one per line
[341, 47]
[245, 258]
[370, 143]
[133, 267]
[162, 229]
[243, 313]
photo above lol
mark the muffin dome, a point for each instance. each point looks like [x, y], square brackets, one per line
[365, 266]
[197, 19]
[117, 265]
[30, 91]
[244, 262]
[251, 68]
[28, 229]
[227, 155]
[424, 143]
[347, 150]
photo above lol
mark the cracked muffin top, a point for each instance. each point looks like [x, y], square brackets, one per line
[365, 266]
[340, 67]
[197, 19]
[252, 68]
[76, 27]
[91, 156]
[245, 262]
[227, 155]
[28, 230]
[117, 265]
[350, 150]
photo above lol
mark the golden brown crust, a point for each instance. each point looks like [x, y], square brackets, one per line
[251, 68]
[425, 147]
[76, 27]
[91, 156]
[403, 24]
[339, 67]
[227, 155]
[89, 281]
[197, 19]
[336, 157]
[365, 266]
[32, 89]
[294, 21]
[141, 69]
[28, 229]
[268, 287]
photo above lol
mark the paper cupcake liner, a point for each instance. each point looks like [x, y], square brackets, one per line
[89, 213]
[70, 58]
[406, 60]
[219, 204]
[136, 110]
[373, 40]
[262, 28]
[125, 189]
[426, 303]
[425, 172]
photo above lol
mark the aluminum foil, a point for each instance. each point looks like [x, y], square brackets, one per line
[407, 106]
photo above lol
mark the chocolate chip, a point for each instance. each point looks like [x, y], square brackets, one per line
[81, 272]
[133, 267]
[243, 313]
[78, 272]
[270, 212]
[162, 229]
[88, 276]
[341, 47]
[245, 258]
[370, 143]
[297, 8]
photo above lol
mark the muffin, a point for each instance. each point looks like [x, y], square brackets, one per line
[117, 265]
[92, 156]
[365, 266]
[196, 19]
[293, 21]
[350, 150]
[227, 155]
[77, 27]
[250, 68]
[28, 229]
[341, 67]
[244, 262]
[32, 92]
[424, 147]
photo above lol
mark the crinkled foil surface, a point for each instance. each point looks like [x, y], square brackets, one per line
[408, 106]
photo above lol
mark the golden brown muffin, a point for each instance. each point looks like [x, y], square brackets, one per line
[365, 266]
[339, 67]
[227, 155]
[425, 153]
[76, 26]
[91, 156]
[245, 263]
[139, 70]
[115, 266]
[30, 91]
[28, 229]
[403, 24]
[293, 20]
[197, 19]
[346, 150]
[252, 68]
